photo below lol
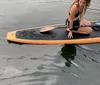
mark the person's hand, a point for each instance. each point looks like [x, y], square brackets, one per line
[70, 34]
[68, 29]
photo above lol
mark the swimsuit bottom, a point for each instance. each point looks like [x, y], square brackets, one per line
[76, 24]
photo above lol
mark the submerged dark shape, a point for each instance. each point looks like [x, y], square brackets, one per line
[68, 52]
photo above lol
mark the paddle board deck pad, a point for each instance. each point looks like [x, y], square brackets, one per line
[55, 36]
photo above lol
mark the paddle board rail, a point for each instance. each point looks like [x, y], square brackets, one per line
[55, 36]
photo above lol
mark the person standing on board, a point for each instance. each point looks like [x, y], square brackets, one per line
[75, 18]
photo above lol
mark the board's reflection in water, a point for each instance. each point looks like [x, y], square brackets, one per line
[68, 52]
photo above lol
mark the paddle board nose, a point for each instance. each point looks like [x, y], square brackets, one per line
[11, 35]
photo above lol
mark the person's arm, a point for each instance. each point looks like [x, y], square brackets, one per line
[73, 11]
[81, 16]
[71, 18]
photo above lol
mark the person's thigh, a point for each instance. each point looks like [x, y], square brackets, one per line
[85, 30]
[85, 22]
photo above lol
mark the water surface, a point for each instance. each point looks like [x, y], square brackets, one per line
[45, 64]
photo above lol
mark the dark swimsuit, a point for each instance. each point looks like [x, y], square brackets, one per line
[75, 23]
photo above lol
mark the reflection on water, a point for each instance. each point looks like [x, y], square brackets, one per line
[43, 65]
[69, 53]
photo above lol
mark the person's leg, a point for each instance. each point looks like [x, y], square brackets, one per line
[85, 30]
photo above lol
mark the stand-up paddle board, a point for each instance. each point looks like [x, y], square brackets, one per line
[54, 36]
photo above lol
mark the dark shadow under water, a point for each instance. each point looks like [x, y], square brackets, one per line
[68, 52]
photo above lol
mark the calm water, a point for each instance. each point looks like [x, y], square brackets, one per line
[45, 64]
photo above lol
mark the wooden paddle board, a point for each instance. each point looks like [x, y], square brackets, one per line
[54, 36]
